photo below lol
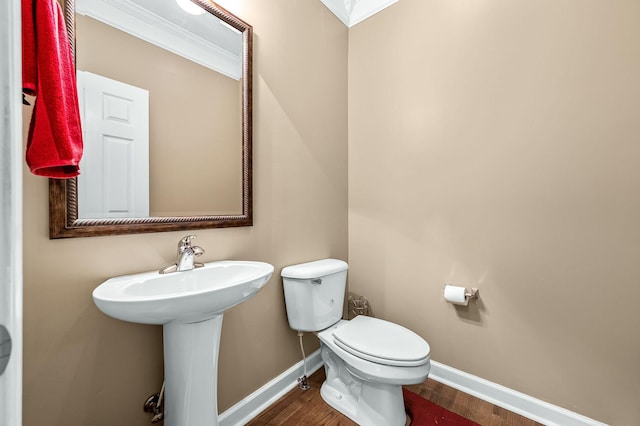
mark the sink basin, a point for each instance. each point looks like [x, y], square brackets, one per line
[190, 296]
[190, 306]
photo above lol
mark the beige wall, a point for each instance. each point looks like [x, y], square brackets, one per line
[495, 144]
[84, 368]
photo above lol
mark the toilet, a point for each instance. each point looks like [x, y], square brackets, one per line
[366, 360]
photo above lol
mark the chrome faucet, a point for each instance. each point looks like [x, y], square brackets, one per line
[186, 256]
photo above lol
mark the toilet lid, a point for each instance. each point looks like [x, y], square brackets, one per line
[382, 341]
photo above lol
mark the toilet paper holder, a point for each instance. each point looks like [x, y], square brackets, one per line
[460, 295]
[473, 294]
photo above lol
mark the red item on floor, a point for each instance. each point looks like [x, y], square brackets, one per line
[426, 413]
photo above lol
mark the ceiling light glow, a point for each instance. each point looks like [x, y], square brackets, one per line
[190, 7]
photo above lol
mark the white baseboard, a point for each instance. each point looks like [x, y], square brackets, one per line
[258, 401]
[517, 402]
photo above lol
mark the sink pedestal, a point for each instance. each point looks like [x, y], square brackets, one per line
[191, 372]
[189, 305]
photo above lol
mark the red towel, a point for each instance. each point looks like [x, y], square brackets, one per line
[54, 145]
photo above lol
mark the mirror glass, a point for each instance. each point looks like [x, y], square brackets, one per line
[165, 99]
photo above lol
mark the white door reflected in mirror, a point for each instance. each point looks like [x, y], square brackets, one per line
[115, 167]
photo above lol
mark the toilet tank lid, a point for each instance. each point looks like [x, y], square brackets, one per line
[315, 269]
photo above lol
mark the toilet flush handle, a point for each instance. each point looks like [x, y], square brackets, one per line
[316, 281]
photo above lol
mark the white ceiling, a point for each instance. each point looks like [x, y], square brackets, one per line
[351, 12]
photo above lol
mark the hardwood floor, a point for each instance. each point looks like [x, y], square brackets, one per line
[306, 408]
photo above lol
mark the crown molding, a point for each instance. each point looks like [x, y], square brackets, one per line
[352, 12]
[133, 19]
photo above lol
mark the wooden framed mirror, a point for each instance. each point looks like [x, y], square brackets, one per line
[188, 162]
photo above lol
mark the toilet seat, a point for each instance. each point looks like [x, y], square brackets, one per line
[382, 342]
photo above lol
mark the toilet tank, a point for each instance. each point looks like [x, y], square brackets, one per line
[314, 293]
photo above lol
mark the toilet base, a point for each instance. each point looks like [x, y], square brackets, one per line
[366, 403]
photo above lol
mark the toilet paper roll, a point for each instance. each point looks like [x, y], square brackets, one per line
[456, 295]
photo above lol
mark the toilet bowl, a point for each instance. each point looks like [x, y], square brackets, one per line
[367, 360]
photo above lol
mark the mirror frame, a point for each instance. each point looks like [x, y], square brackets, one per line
[63, 193]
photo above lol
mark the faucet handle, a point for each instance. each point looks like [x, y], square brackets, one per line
[185, 242]
[187, 239]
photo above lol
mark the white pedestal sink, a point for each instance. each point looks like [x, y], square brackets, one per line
[190, 306]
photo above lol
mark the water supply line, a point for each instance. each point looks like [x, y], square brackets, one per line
[302, 381]
[159, 414]
[154, 404]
